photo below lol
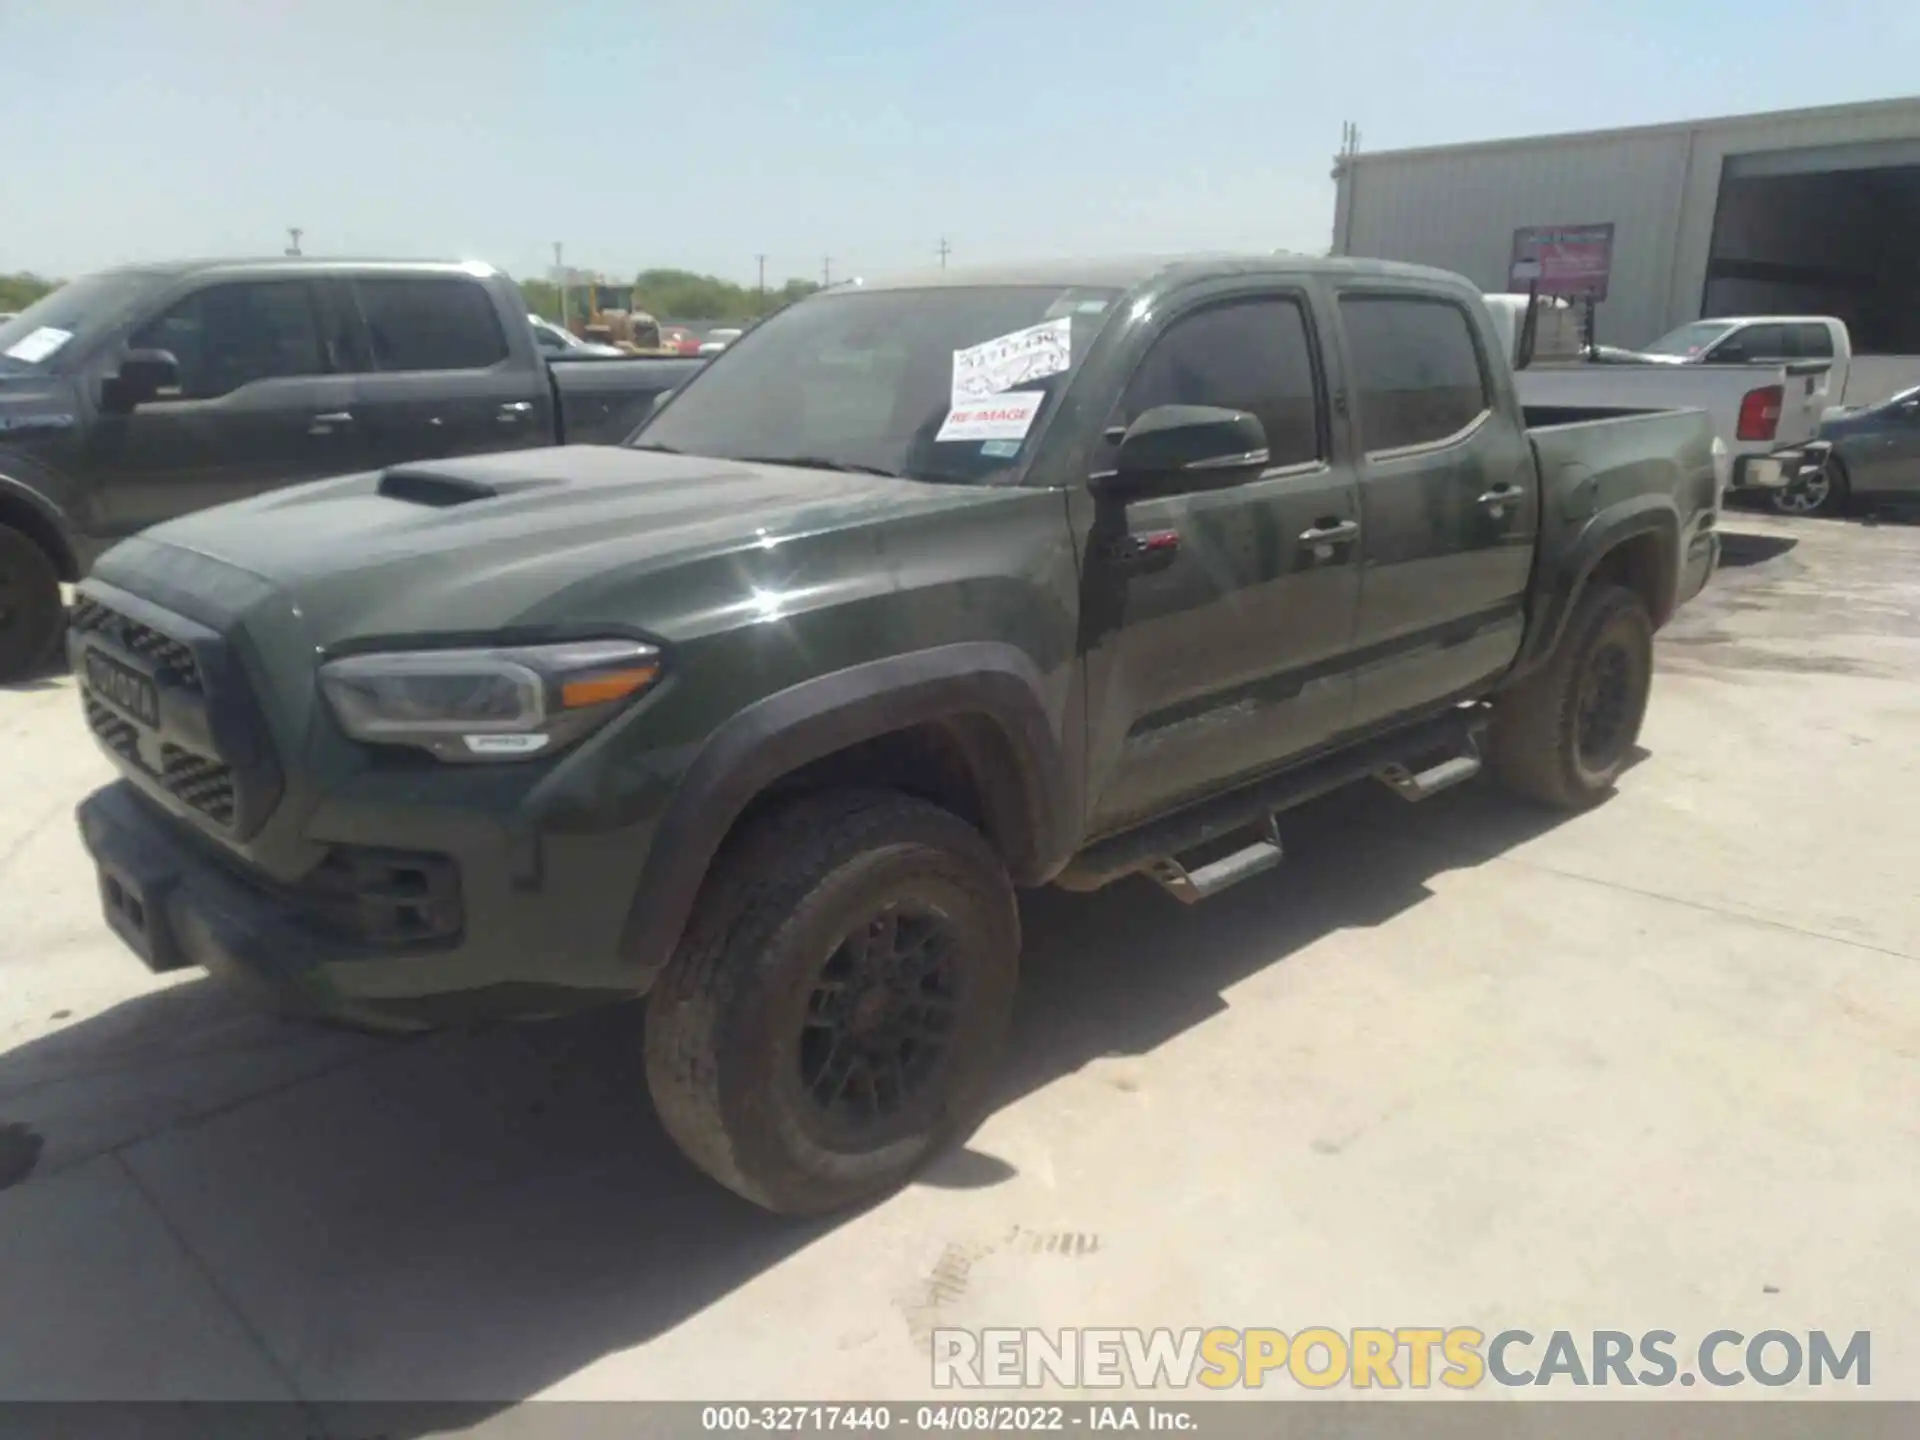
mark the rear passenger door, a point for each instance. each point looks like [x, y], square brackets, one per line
[1230, 652]
[440, 377]
[1448, 504]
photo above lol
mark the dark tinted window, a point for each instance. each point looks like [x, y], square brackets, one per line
[227, 336]
[1415, 367]
[1751, 342]
[1812, 342]
[1250, 355]
[431, 324]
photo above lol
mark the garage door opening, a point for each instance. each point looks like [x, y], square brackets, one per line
[1823, 233]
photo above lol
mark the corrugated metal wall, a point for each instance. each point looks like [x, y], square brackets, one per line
[1458, 207]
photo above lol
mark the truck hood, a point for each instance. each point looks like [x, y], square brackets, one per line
[564, 535]
[34, 404]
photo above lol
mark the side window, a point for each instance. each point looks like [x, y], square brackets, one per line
[1751, 343]
[1415, 367]
[1251, 355]
[226, 336]
[1813, 342]
[430, 323]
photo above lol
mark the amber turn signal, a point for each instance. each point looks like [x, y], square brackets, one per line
[609, 685]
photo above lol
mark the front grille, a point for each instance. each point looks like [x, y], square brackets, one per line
[119, 736]
[173, 659]
[206, 785]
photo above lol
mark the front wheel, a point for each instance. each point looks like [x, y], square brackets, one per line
[1823, 494]
[1563, 735]
[833, 1015]
[31, 617]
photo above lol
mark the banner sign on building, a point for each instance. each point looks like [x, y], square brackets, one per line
[1569, 260]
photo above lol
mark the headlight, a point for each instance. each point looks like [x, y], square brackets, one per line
[505, 704]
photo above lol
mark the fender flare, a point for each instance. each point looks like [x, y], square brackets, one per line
[49, 526]
[1566, 575]
[1032, 798]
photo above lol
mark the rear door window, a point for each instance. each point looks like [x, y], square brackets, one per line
[430, 323]
[1416, 367]
[1812, 342]
[1751, 343]
[227, 336]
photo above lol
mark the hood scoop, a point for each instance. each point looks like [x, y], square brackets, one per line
[445, 487]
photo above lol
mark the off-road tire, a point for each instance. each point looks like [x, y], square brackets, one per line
[32, 618]
[1534, 745]
[724, 1051]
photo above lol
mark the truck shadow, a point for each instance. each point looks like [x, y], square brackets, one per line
[482, 1215]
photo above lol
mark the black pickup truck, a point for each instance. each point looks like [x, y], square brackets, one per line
[136, 395]
[927, 590]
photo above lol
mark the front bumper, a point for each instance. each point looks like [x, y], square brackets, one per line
[177, 904]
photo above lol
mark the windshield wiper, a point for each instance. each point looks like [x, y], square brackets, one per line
[822, 462]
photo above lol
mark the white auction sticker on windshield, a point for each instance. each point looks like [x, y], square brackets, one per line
[1009, 360]
[39, 344]
[998, 417]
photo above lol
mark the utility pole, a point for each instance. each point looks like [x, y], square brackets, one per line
[560, 282]
[760, 305]
[294, 232]
[826, 272]
[944, 251]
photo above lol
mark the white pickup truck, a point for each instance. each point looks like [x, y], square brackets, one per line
[1765, 413]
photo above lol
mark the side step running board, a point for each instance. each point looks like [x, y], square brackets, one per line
[1453, 733]
[1190, 887]
[1431, 781]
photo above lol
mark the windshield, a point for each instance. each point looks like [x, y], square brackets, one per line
[42, 336]
[612, 297]
[867, 380]
[1688, 340]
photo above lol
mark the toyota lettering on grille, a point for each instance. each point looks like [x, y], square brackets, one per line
[125, 687]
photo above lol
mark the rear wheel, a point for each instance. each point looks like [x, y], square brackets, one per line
[1563, 735]
[1823, 494]
[833, 1016]
[31, 617]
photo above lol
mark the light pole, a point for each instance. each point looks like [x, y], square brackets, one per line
[560, 282]
[294, 232]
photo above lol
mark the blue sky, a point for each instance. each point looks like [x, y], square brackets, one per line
[698, 133]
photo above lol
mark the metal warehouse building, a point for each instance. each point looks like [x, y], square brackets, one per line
[1796, 212]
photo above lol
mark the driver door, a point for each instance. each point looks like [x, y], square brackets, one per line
[257, 407]
[1228, 655]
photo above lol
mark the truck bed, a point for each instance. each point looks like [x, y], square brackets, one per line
[602, 401]
[1591, 458]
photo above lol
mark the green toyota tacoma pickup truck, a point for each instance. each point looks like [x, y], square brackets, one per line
[922, 592]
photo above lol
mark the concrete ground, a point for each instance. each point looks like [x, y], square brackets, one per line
[1460, 1064]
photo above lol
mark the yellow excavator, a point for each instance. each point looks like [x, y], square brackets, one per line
[611, 315]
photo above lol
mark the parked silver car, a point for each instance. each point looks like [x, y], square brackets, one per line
[1875, 455]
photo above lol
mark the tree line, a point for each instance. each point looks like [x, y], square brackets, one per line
[682, 295]
[666, 294]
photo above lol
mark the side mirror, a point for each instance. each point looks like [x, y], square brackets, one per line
[659, 403]
[1173, 449]
[143, 374]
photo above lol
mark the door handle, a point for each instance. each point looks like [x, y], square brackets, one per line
[1330, 532]
[513, 412]
[1502, 495]
[326, 424]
